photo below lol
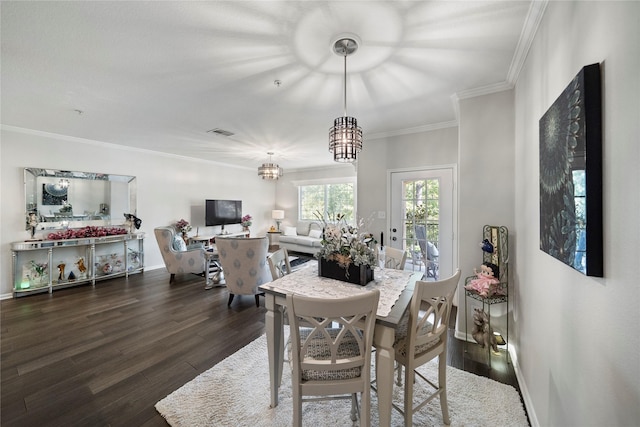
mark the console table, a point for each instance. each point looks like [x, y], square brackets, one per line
[45, 265]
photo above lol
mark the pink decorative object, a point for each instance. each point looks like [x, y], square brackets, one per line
[485, 284]
[89, 231]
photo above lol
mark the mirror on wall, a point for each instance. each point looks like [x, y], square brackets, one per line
[68, 199]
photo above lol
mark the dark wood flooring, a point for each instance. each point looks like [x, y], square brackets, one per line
[104, 355]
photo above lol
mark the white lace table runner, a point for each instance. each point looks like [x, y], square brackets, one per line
[306, 281]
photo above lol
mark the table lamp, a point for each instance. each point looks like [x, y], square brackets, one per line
[278, 215]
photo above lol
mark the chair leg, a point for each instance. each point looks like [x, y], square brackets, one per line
[399, 377]
[172, 278]
[354, 407]
[408, 396]
[297, 407]
[365, 408]
[230, 299]
[442, 385]
[257, 302]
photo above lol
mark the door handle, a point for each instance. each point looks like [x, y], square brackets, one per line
[394, 230]
[394, 238]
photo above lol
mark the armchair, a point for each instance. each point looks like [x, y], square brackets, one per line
[178, 257]
[244, 263]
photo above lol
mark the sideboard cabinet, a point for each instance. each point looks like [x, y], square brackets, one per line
[44, 265]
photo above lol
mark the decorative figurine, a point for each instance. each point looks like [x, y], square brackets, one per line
[71, 277]
[132, 222]
[487, 246]
[61, 267]
[482, 330]
[486, 283]
[32, 223]
[81, 267]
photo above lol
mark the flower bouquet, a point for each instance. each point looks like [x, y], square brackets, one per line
[346, 253]
[246, 221]
[183, 226]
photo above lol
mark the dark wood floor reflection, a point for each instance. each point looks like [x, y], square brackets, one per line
[104, 355]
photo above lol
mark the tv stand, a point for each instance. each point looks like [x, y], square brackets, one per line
[238, 234]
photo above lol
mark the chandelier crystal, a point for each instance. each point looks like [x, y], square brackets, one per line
[270, 170]
[345, 137]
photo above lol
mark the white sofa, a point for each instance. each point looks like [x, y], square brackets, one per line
[305, 237]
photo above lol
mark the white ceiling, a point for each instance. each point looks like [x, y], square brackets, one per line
[159, 75]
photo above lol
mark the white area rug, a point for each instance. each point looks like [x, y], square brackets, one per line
[235, 393]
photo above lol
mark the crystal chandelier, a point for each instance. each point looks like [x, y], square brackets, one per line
[345, 137]
[270, 170]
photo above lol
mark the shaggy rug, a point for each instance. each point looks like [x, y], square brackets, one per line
[235, 392]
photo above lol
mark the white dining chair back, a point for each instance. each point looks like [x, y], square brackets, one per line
[332, 357]
[395, 258]
[420, 337]
[279, 263]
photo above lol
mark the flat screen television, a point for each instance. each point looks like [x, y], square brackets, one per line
[222, 212]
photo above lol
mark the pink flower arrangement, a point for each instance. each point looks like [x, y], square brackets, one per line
[183, 225]
[89, 231]
[246, 220]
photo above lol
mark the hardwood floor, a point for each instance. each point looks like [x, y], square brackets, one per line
[104, 355]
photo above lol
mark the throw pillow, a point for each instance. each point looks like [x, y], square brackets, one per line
[316, 234]
[290, 231]
[179, 244]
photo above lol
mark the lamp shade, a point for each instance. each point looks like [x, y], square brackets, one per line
[277, 214]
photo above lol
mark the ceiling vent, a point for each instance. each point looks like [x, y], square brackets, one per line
[221, 132]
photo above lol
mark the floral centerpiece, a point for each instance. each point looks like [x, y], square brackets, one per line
[346, 251]
[246, 221]
[183, 226]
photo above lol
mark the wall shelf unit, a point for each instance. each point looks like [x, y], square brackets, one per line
[498, 236]
[45, 265]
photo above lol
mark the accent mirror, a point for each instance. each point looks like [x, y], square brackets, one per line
[62, 199]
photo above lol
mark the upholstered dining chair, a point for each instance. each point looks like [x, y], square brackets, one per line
[177, 256]
[244, 264]
[420, 337]
[332, 362]
[279, 263]
[394, 258]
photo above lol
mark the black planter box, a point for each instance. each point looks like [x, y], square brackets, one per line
[358, 274]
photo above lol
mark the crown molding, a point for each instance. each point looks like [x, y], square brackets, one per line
[529, 30]
[417, 129]
[112, 146]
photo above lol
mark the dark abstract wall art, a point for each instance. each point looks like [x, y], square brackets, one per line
[571, 175]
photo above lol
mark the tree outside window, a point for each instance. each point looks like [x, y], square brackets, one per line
[329, 199]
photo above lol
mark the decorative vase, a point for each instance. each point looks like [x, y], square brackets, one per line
[356, 274]
[39, 281]
[245, 228]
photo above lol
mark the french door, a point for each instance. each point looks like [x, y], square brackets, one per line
[422, 219]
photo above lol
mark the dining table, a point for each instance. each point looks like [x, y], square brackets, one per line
[396, 288]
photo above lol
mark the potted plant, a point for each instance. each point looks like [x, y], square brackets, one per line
[346, 253]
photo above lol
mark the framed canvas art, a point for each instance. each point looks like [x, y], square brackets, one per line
[571, 175]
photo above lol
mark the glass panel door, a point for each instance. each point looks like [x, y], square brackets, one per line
[422, 220]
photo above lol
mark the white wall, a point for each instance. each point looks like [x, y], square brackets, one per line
[486, 191]
[579, 343]
[415, 151]
[169, 187]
